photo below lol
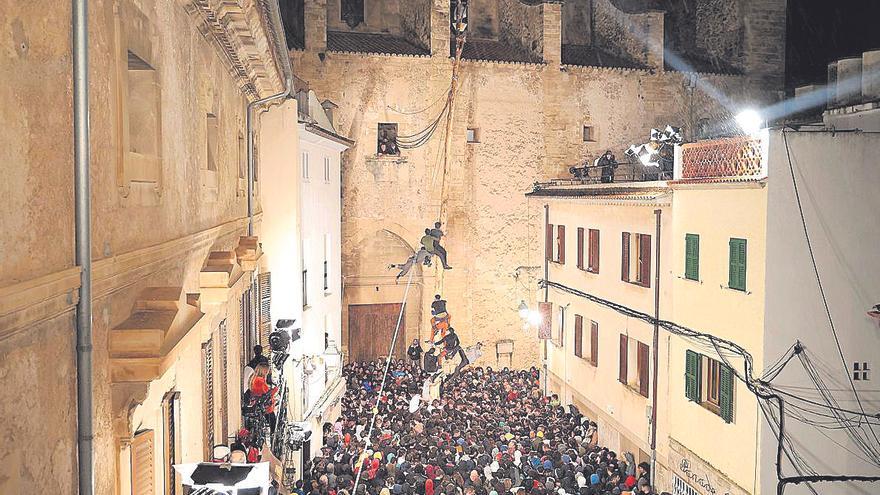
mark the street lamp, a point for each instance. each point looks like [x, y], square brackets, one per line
[523, 310]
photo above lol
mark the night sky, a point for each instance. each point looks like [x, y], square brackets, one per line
[821, 31]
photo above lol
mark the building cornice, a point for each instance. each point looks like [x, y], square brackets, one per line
[238, 30]
[26, 303]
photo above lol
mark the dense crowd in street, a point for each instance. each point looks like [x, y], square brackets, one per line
[491, 432]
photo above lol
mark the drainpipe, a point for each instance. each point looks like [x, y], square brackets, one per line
[83, 245]
[656, 353]
[282, 55]
[546, 293]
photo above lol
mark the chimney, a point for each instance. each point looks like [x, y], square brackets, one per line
[849, 81]
[816, 95]
[328, 107]
[871, 75]
[832, 84]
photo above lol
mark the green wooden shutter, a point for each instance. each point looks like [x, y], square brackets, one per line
[692, 257]
[725, 394]
[737, 272]
[692, 376]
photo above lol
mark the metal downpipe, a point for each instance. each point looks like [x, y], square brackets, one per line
[83, 246]
[656, 351]
[282, 55]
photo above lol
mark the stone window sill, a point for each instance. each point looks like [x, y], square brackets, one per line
[732, 289]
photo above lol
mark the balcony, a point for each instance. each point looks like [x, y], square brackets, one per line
[625, 172]
[737, 159]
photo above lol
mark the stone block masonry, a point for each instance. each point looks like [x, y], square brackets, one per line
[530, 120]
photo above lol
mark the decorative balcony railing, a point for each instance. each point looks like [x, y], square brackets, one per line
[738, 157]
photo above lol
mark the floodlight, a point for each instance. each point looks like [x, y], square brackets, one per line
[749, 121]
[535, 318]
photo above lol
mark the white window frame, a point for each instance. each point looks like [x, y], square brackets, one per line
[304, 165]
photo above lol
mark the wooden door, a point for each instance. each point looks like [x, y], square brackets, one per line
[370, 329]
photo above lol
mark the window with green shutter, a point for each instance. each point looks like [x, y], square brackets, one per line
[692, 257]
[737, 274]
[692, 371]
[725, 396]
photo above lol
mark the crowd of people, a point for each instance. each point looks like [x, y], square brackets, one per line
[491, 432]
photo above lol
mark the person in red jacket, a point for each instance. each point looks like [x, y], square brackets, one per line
[260, 386]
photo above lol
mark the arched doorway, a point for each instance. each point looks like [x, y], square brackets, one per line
[373, 298]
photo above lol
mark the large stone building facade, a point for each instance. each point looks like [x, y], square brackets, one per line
[542, 87]
[175, 276]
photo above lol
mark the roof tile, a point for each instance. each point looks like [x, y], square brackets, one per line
[382, 44]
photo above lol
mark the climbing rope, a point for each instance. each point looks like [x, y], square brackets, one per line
[447, 149]
[382, 385]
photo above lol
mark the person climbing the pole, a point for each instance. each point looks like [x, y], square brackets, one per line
[451, 346]
[437, 234]
[440, 319]
[420, 257]
[438, 306]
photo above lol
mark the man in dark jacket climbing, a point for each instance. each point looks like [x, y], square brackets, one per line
[452, 346]
[438, 306]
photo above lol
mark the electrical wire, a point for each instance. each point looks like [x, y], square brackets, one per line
[416, 112]
[819, 280]
[764, 391]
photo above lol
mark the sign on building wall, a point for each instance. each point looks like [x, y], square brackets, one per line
[694, 476]
[545, 330]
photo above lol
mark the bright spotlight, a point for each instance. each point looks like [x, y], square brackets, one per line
[535, 318]
[649, 159]
[749, 121]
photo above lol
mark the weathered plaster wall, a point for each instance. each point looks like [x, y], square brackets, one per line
[836, 208]
[37, 366]
[530, 119]
[38, 408]
[37, 175]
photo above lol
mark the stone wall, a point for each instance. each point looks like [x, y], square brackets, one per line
[637, 37]
[530, 120]
[380, 16]
[483, 19]
[415, 22]
[765, 42]
[522, 25]
[577, 22]
[719, 31]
